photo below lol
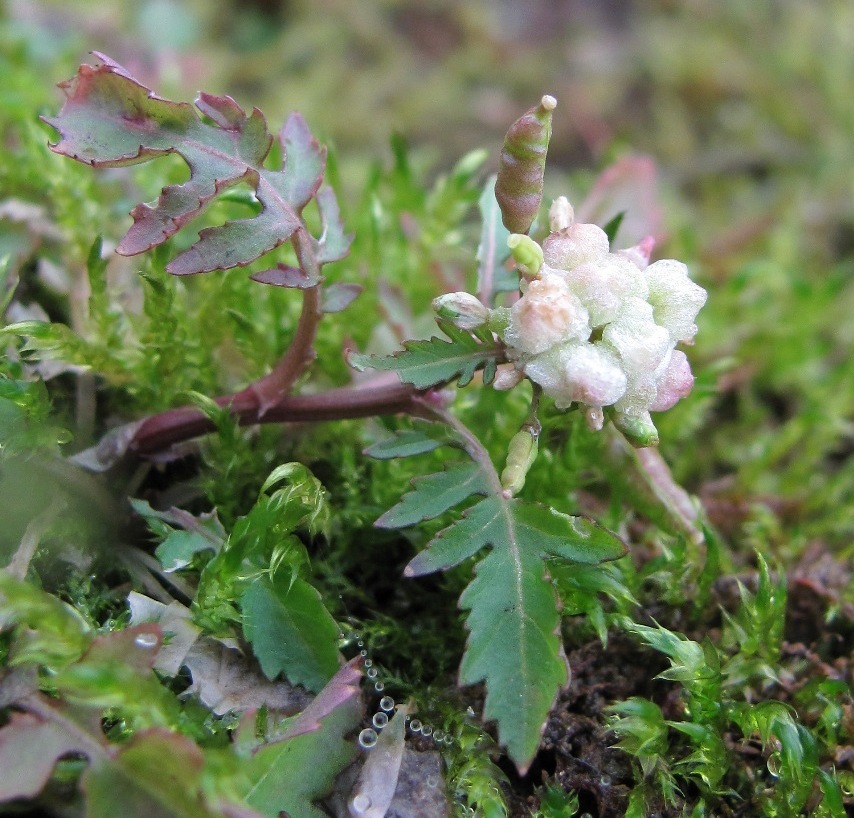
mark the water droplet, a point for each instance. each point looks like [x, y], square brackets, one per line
[360, 643]
[427, 730]
[368, 662]
[379, 687]
[432, 781]
[470, 711]
[387, 704]
[605, 780]
[363, 654]
[415, 725]
[438, 735]
[774, 764]
[585, 815]
[360, 803]
[357, 635]
[449, 739]
[146, 640]
[380, 720]
[368, 738]
[372, 673]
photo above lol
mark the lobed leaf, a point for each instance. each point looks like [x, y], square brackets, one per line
[436, 493]
[429, 363]
[406, 443]
[110, 119]
[513, 613]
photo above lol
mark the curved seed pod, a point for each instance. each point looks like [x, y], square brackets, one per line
[519, 188]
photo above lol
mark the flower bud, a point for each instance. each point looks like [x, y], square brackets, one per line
[463, 310]
[561, 215]
[521, 454]
[639, 430]
[527, 254]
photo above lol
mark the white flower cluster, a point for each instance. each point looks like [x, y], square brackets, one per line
[598, 329]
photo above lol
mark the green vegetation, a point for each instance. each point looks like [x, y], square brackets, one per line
[249, 494]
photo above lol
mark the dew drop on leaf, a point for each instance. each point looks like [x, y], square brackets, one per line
[368, 662]
[360, 804]
[387, 704]
[415, 725]
[432, 781]
[367, 739]
[146, 640]
[363, 654]
[372, 673]
[427, 730]
[380, 720]
[379, 687]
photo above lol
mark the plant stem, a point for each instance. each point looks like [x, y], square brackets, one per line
[376, 397]
[474, 448]
[279, 381]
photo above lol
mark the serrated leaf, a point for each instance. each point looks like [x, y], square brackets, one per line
[407, 443]
[492, 251]
[291, 631]
[288, 776]
[513, 622]
[499, 522]
[110, 119]
[613, 226]
[436, 493]
[429, 363]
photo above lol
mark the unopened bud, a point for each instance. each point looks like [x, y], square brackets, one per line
[639, 430]
[506, 378]
[527, 254]
[521, 454]
[463, 310]
[640, 254]
[561, 214]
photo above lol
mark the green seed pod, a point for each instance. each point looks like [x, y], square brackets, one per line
[527, 254]
[519, 188]
[521, 454]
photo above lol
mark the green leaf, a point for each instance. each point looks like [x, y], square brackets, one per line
[407, 443]
[429, 363]
[291, 631]
[436, 493]
[514, 644]
[109, 119]
[513, 622]
[334, 243]
[287, 776]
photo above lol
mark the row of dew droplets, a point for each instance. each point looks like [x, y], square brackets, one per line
[368, 737]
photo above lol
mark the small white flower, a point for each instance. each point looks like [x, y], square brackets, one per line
[547, 314]
[598, 329]
[675, 299]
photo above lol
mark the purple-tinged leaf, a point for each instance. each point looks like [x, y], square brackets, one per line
[136, 647]
[343, 687]
[337, 297]
[285, 275]
[29, 750]
[334, 243]
[110, 119]
[304, 162]
[290, 774]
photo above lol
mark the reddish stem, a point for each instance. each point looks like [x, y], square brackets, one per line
[160, 431]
